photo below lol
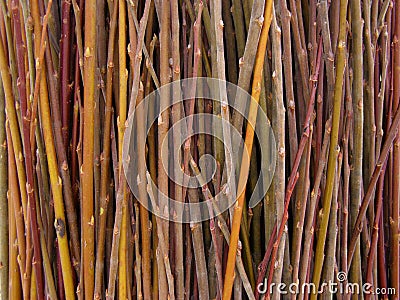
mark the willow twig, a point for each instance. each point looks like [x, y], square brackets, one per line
[301, 51]
[26, 138]
[112, 274]
[223, 226]
[278, 125]
[138, 93]
[358, 225]
[358, 125]
[229, 35]
[104, 185]
[65, 56]
[328, 272]
[238, 208]
[11, 113]
[3, 198]
[18, 218]
[328, 51]
[238, 20]
[14, 287]
[53, 98]
[56, 184]
[176, 116]
[122, 116]
[87, 218]
[138, 264]
[163, 124]
[333, 145]
[395, 223]
[246, 63]
[161, 240]
[285, 16]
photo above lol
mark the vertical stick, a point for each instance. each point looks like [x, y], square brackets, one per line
[136, 96]
[176, 116]
[163, 123]
[238, 208]
[287, 67]
[358, 128]
[88, 149]
[358, 227]
[278, 125]
[65, 56]
[105, 180]
[14, 284]
[395, 224]
[328, 272]
[337, 104]
[123, 108]
[3, 201]
[25, 114]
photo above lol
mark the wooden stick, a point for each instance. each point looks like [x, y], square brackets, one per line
[87, 218]
[238, 207]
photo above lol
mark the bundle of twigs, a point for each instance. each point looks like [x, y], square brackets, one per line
[73, 75]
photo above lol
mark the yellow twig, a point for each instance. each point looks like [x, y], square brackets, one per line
[244, 170]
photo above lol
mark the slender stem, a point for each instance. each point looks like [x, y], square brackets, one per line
[20, 52]
[329, 54]
[161, 240]
[46, 260]
[238, 20]
[137, 94]
[78, 32]
[223, 226]
[294, 175]
[300, 203]
[77, 82]
[3, 200]
[122, 114]
[145, 227]
[341, 60]
[328, 272]
[287, 67]
[14, 137]
[40, 48]
[163, 124]
[14, 124]
[176, 115]
[112, 274]
[14, 287]
[238, 208]
[278, 125]
[65, 56]
[198, 247]
[53, 96]
[375, 231]
[87, 218]
[104, 184]
[345, 202]
[246, 63]
[370, 127]
[395, 224]
[218, 25]
[230, 38]
[15, 202]
[138, 265]
[56, 184]
[301, 51]
[357, 229]
[358, 126]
